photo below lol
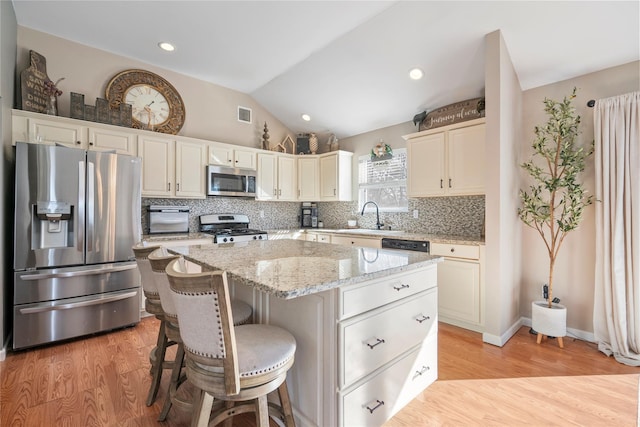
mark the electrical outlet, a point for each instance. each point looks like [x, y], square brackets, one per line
[261, 214]
[415, 213]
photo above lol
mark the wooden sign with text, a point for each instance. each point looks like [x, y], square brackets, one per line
[454, 113]
[32, 84]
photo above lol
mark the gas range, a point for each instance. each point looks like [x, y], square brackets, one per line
[228, 228]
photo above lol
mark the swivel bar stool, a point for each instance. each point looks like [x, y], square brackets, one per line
[233, 364]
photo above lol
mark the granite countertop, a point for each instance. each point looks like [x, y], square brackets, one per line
[175, 237]
[293, 268]
[393, 234]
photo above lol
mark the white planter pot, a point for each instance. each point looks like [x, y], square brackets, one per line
[549, 321]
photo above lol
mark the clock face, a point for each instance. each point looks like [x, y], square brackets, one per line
[148, 106]
[155, 103]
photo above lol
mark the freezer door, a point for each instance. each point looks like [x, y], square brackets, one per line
[49, 196]
[113, 206]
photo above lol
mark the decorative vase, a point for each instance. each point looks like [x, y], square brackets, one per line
[547, 321]
[313, 143]
[52, 106]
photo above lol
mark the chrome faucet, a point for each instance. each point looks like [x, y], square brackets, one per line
[378, 223]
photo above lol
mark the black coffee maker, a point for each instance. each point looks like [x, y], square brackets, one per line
[309, 215]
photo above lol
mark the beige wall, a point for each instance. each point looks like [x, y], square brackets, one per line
[211, 109]
[7, 67]
[574, 270]
[504, 105]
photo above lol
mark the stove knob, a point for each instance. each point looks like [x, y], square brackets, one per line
[231, 239]
[260, 237]
[255, 237]
[224, 240]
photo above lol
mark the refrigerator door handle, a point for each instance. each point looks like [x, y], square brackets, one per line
[91, 187]
[81, 205]
[95, 301]
[90, 272]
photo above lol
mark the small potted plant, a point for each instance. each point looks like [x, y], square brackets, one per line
[554, 203]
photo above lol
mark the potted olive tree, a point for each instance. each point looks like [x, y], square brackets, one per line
[554, 203]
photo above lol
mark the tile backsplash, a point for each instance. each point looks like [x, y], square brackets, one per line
[458, 216]
[455, 216]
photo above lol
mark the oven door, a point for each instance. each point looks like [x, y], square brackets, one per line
[223, 181]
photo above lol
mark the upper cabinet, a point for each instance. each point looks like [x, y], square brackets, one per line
[447, 161]
[335, 176]
[172, 168]
[34, 127]
[276, 179]
[226, 155]
[308, 179]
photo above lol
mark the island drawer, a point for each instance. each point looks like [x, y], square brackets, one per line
[377, 399]
[363, 297]
[455, 251]
[368, 342]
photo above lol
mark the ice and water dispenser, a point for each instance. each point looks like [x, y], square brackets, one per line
[52, 225]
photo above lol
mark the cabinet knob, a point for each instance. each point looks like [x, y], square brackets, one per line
[168, 186]
[378, 341]
[449, 182]
[78, 142]
[453, 250]
[441, 184]
[178, 187]
[91, 143]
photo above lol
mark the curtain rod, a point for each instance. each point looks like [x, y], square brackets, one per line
[591, 103]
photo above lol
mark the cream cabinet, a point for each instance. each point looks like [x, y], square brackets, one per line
[276, 177]
[172, 168]
[227, 155]
[447, 161]
[335, 176]
[43, 129]
[460, 293]
[318, 237]
[365, 350]
[308, 179]
[367, 242]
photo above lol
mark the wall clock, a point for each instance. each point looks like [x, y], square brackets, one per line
[155, 103]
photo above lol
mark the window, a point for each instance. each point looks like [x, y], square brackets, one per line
[384, 182]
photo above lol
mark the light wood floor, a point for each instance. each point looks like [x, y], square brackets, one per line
[103, 381]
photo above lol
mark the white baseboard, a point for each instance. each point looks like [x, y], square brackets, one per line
[502, 339]
[571, 332]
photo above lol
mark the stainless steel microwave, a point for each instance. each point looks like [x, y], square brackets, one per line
[236, 182]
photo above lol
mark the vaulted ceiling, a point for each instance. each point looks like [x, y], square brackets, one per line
[346, 63]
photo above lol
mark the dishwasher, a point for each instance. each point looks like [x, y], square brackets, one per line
[406, 245]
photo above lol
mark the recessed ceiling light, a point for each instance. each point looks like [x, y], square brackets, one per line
[306, 117]
[166, 46]
[416, 73]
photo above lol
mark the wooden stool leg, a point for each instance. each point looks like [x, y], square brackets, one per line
[285, 402]
[173, 383]
[262, 411]
[560, 342]
[202, 410]
[229, 421]
[157, 362]
[539, 340]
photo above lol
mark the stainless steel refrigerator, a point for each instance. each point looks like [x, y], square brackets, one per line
[77, 215]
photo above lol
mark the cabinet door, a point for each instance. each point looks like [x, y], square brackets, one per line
[121, 142]
[190, 169]
[329, 178]
[245, 159]
[286, 178]
[365, 242]
[52, 132]
[308, 179]
[267, 178]
[158, 166]
[466, 160]
[459, 290]
[425, 166]
[220, 155]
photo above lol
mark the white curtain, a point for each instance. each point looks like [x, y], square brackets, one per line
[617, 160]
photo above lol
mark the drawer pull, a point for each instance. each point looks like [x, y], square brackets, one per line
[420, 372]
[402, 286]
[423, 318]
[379, 403]
[378, 341]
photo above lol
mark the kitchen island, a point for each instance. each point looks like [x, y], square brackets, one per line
[365, 321]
